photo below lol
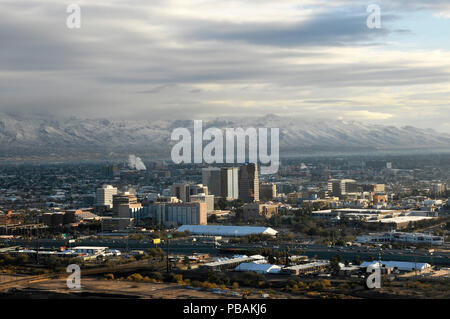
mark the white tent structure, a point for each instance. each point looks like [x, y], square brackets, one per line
[228, 231]
[259, 268]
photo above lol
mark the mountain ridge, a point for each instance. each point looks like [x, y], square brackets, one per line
[28, 134]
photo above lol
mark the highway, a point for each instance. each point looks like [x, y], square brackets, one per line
[322, 252]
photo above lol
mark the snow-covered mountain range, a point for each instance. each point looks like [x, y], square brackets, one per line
[40, 135]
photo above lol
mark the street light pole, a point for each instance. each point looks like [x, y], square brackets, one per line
[167, 253]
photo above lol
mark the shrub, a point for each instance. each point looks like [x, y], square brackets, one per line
[135, 277]
[157, 276]
[175, 278]
[109, 276]
[321, 284]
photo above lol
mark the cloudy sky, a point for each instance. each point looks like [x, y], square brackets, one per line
[197, 59]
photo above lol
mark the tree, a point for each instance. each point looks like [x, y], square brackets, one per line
[109, 276]
[178, 278]
[212, 218]
[334, 265]
[222, 204]
[356, 260]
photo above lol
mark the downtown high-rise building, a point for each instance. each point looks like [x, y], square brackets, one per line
[267, 191]
[249, 183]
[222, 182]
[104, 196]
[340, 187]
[211, 177]
[184, 191]
[229, 183]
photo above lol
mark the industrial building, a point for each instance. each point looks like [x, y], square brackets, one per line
[397, 218]
[413, 238]
[400, 222]
[306, 268]
[396, 265]
[229, 263]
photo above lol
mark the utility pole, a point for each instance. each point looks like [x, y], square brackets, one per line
[37, 241]
[128, 236]
[287, 256]
[101, 225]
[167, 253]
[415, 262]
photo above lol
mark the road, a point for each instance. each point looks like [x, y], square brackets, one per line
[322, 252]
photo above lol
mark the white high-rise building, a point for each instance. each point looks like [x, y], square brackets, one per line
[104, 196]
[230, 182]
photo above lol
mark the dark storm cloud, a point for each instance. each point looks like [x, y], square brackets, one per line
[165, 59]
[327, 29]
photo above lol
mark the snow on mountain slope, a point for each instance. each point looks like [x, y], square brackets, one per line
[38, 134]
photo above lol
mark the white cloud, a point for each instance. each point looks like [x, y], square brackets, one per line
[166, 59]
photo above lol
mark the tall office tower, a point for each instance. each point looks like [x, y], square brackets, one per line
[204, 198]
[181, 191]
[339, 187]
[124, 204]
[249, 183]
[104, 196]
[229, 182]
[377, 188]
[198, 189]
[267, 191]
[437, 188]
[111, 171]
[211, 177]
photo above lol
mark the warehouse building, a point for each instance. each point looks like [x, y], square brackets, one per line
[414, 238]
[395, 265]
[306, 268]
[229, 263]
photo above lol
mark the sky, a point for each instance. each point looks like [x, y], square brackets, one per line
[201, 59]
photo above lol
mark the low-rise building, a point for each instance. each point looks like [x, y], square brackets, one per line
[258, 210]
[306, 268]
[413, 238]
